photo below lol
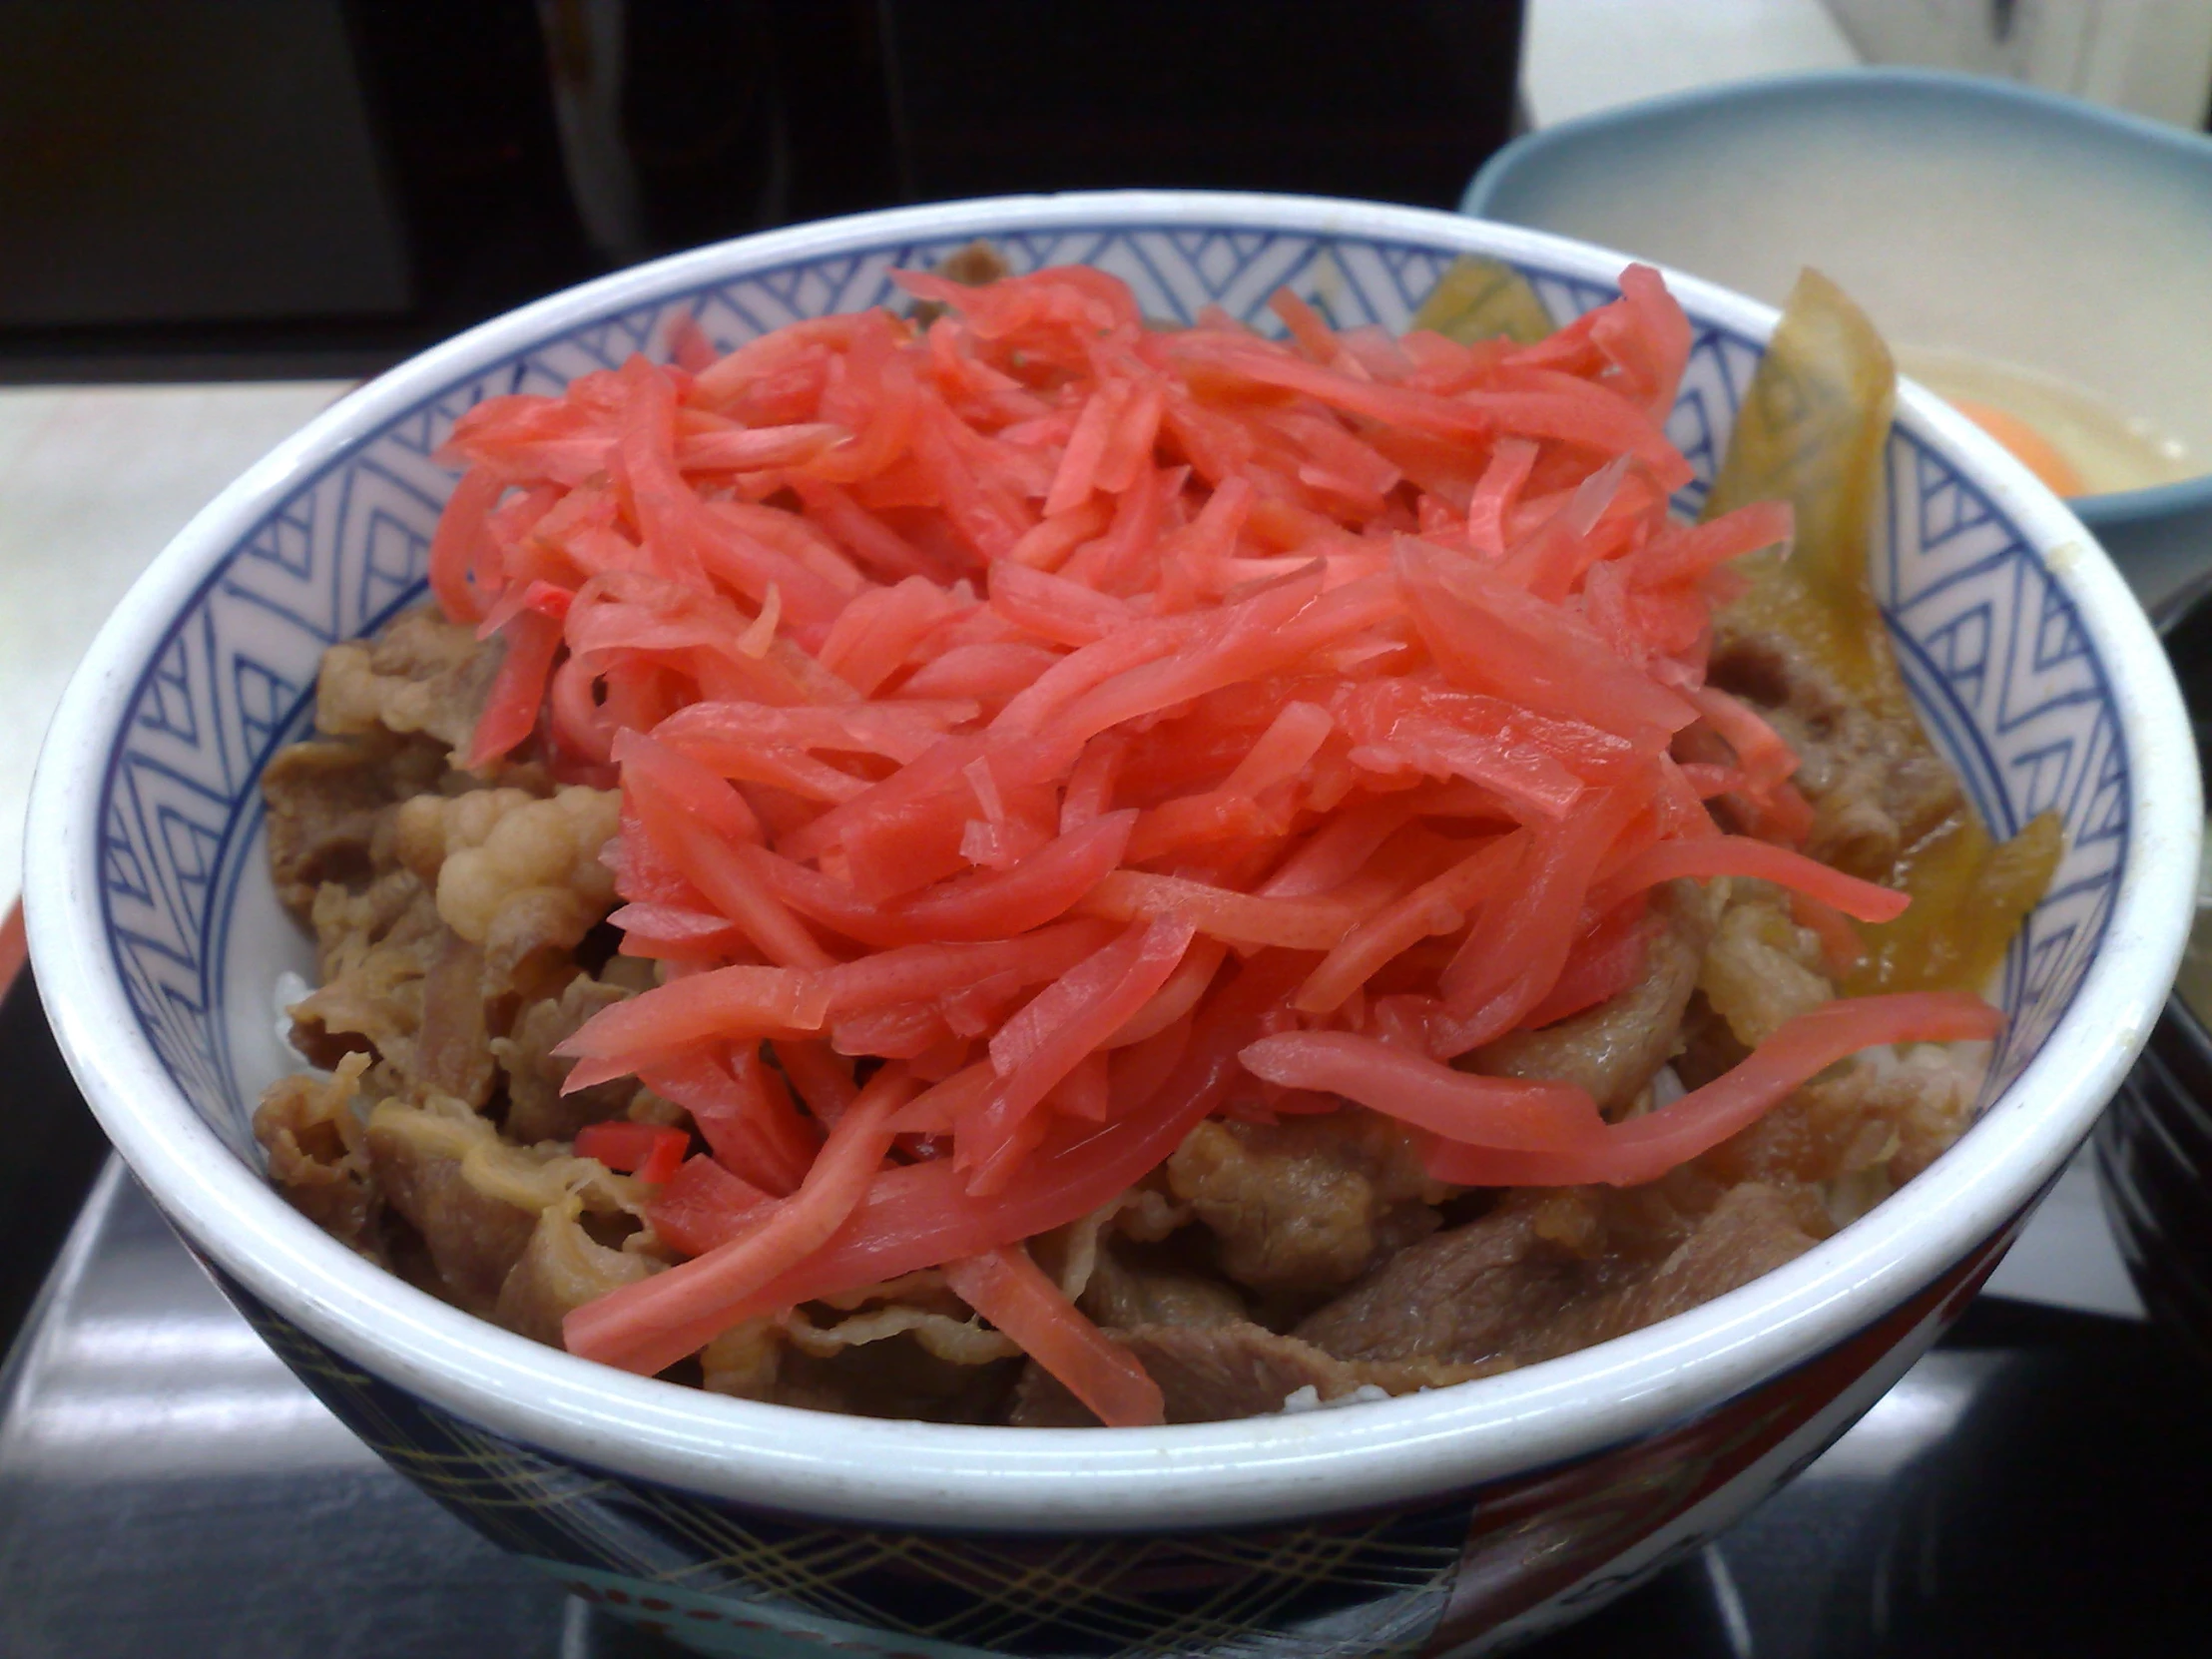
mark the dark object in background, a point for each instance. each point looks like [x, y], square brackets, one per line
[257, 187]
[1394, 101]
[162, 167]
[2154, 1143]
[54, 1149]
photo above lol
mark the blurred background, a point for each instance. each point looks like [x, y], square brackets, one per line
[282, 186]
[250, 189]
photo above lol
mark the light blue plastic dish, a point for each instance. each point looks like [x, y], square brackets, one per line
[1963, 213]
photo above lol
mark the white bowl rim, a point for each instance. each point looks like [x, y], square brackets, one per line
[1264, 1469]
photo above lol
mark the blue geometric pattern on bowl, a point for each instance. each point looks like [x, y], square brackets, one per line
[1407, 1579]
[1994, 651]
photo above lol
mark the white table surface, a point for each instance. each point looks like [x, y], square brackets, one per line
[1582, 56]
[94, 480]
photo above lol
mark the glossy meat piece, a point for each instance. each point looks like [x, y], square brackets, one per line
[473, 1240]
[1546, 1274]
[1875, 785]
[536, 1108]
[421, 674]
[1124, 1297]
[1210, 1373]
[561, 1269]
[306, 1125]
[1305, 1204]
[328, 800]
[373, 950]
[1614, 1050]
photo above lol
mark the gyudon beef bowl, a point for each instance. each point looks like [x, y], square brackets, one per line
[1146, 922]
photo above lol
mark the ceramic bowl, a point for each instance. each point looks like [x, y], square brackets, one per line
[1467, 1515]
[2154, 1146]
[1978, 221]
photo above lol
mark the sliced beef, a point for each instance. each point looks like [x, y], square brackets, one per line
[1548, 1272]
[473, 1240]
[421, 674]
[1761, 969]
[561, 1269]
[529, 948]
[1470, 1294]
[313, 1139]
[978, 265]
[1882, 1115]
[896, 1376]
[1614, 1049]
[374, 950]
[1753, 1229]
[536, 1108]
[387, 712]
[939, 1322]
[452, 1047]
[910, 1349]
[1122, 1295]
[1306, 1203]
[329, 800]
[1874, 783]
[1210, 1373]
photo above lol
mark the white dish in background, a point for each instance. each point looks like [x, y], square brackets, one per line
[2035, 251]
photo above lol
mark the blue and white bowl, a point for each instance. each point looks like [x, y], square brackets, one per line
[2154, 1147]
[1469, 1515]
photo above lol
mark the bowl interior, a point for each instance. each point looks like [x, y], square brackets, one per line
[1967, 217]
[2006, 675]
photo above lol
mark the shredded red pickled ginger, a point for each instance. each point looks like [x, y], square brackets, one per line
[1038, 730]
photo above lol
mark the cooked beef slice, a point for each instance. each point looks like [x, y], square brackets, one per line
[1753, 1229]
[421, 674]
[314, 1138]
[1614, 1050]
[1212, 1372]
[452, 1047]
[536, 1108]
[1884, 1113]
[1760, 970]
[328, 803]
[1462, 1294]
[561, 1269]
[1305, 1204]
[1545, 1274]
[474, 1239]
[1875, 785]
[397, 980]
[892, 1363]
[1125, 1295]
[387, 713]
[375, 949]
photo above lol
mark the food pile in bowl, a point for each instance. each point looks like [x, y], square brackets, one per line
[1002, 862]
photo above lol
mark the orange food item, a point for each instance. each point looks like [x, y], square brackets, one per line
[2028, 446]
[1021, 718]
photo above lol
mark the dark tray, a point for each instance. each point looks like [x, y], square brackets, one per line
[2041, 1483]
